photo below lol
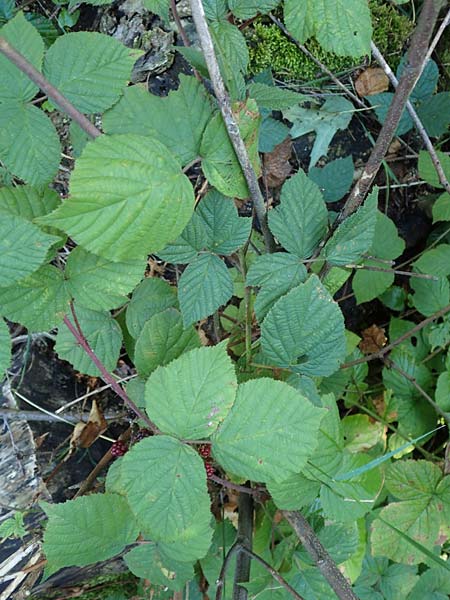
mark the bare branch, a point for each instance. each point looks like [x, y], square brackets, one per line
[26, 67]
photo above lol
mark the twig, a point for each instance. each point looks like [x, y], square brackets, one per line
[411, 73]
[179, 24]
[315, 60]
[319, 555]
[223, 571]
[245, 538]
[380, 353]
[437, 37]
[91, 393]
[414, 116]
[26, 67]
[206, 43]
[393, 271]
[106, 376]
[273, 572]
[35, 415]
[419, 388]
[234, 486]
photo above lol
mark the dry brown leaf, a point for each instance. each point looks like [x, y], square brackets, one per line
[372, 81]
[276, 163]
[373, 339]
[85, 434]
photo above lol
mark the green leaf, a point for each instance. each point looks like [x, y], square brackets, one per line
[152, 296]
[14, 84]
[128, 197]
[334, 179]
[232, 56]
[29, 144]
[191, 396]
[271, 133]
[434, 584]
[87, 530]
[246, 9]
[350, 499]
[430, 295]
[5, 348]
[204, 286]
[381, 103]
[78, 139]
[277, 274]
[442, 394]
[163, 338]
[13, 527]
[23, 248]
[90, 69]
[215, 9]
[435, 114]
[355, 235]
[427, 170]
[421, 513]
[158, 7]
[441, 208]
[226, 231]
[103, 334]
[402, 387]
[98, 283]
[300, 220]
[273, 97]
[394, 581]
[145, 562]
[38, 302]
[259, 438]
[185, 248]
[435, 261]
[335, 114]
[27, 201]
[294, 493]
[304, 331]
[177, 121]
[165, 482]
[386, 245]
[340, 26]
[219, 162]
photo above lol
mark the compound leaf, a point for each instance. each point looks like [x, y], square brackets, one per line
[226, 231]
[203, 287]
[23, 248]
[259, 438]
[300, 220]
[193, 238]
[151, 297]
[98, 283]
[163, 338]
[340, 26]
[103, 334]
[128, 198]
[354, 236]
[192, 395]
[14, 84]
[177, 120]
[304, 331]
[5, 348]
[165, 483]
[29, 144]
[91, 69]
[86, 530]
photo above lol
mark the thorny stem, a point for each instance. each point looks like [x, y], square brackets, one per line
[26, 67]
[380, 353]
[206, 43]
[248, 310]
[106, 375]
[319, 555]
[415, 117]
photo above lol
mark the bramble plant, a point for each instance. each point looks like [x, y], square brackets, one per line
[259, 411]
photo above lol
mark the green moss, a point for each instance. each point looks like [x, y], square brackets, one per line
[269, 48]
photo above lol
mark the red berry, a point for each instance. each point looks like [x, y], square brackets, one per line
[119, 448]
[204, 450]
[141, 434]
[210, 470]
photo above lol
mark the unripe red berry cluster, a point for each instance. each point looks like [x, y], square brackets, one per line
[119, 448]
[204, 450]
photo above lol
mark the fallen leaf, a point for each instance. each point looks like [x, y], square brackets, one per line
[371, 81]
[373, 339]
[276, 164]
[85, 434]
